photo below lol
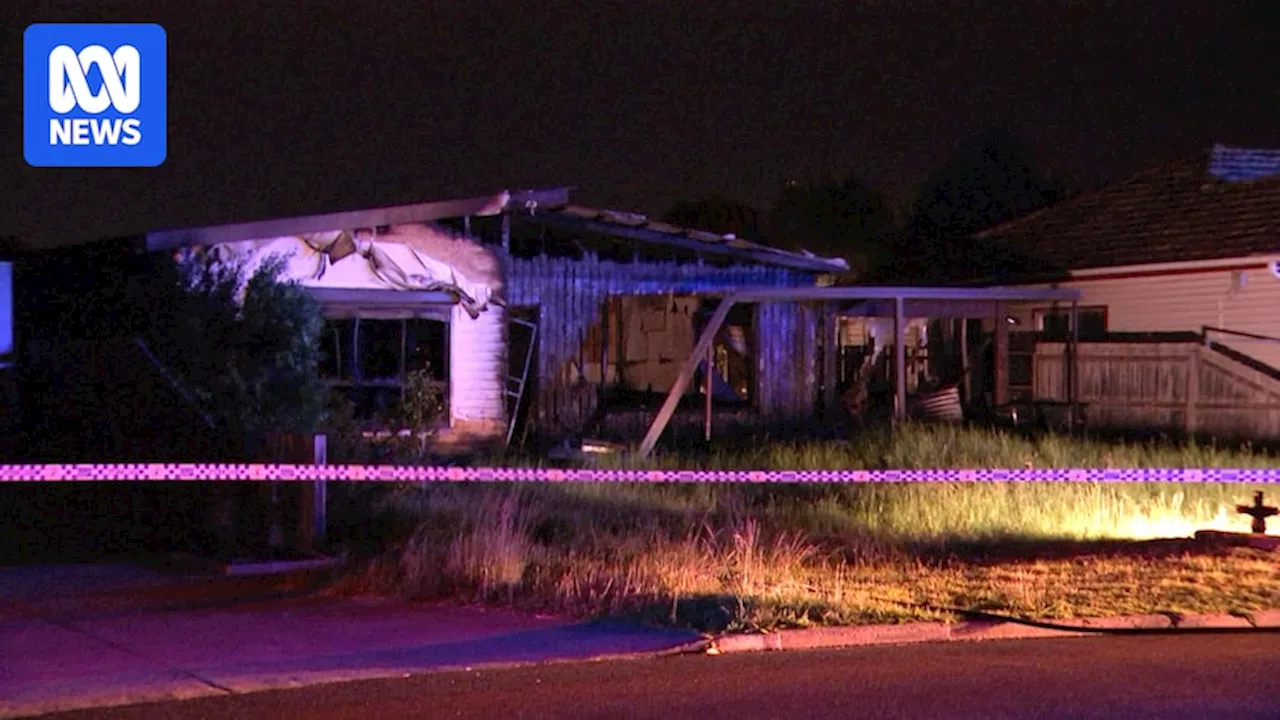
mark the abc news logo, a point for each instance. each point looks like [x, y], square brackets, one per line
[69, 89]
[95, 95]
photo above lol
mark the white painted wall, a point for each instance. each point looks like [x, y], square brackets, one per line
[478, 368]
[1246, 301]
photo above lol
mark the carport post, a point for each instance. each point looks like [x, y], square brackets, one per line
[830, 324]
[1073, 380]
[1000, 357]
[899, 359]
[708, 390]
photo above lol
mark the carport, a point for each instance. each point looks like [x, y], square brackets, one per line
[900, 303]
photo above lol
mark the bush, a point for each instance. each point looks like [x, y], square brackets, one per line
[249, 347]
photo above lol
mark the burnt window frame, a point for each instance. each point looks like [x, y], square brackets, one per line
[353, 381]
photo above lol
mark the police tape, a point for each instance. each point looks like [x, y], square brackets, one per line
[245, 472]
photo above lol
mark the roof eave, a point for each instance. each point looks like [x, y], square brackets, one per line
[505, 201]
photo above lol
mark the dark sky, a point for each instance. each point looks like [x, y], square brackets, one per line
[314, 107]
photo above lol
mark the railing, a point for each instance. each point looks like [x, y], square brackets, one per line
[1196, 384]
[1236, 354]
[1205, 330]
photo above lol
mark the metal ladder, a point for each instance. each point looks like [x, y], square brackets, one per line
[516, 384]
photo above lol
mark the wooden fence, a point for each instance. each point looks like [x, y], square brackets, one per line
[1185, 385]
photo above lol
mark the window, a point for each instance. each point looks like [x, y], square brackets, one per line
[1021, 368]
[1056, 322]
[368, 359]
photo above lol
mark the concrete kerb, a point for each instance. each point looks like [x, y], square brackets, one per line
[329, 678]
[198, 689]
[975, 630]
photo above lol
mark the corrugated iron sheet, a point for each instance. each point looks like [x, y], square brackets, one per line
[627, 224]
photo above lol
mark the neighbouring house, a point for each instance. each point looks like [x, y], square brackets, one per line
[1178, 268]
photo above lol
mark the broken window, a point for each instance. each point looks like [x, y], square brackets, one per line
[381, 350]
[369, 360]
[734, 356]
[650, 337]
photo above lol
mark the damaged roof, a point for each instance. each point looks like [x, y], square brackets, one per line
[425, 212]
[550, 206]
[637, 227]
[1220, 204]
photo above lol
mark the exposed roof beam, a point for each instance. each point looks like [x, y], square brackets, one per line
[932, 309]
[506, 201]
[757, 253]
[993, 294]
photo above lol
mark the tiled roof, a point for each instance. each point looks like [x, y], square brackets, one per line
[1182, 211]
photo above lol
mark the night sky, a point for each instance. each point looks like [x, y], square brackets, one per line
[319, 107]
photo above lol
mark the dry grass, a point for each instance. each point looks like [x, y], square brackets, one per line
[922, 447]
[735, 557]
[738, 556]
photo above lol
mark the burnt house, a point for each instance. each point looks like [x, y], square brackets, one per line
[540, 317]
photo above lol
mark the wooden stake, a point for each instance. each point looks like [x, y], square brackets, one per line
[684, 378]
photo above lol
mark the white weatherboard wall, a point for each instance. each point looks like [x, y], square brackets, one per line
[1241, 300]
[478, 370]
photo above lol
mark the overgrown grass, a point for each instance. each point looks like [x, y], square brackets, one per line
[721, 557]
[918, 447]
[734, 557]
[909, 447]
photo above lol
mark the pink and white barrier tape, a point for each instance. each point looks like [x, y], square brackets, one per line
[197, 472]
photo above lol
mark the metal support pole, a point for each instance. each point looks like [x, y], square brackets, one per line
[356, 376]
[1073, 380]
[829, 321]
[320, 501]
[708, 386]
[899, 359]
[1000, 357]
[311, 498]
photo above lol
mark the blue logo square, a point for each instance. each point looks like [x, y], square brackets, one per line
[94, 95]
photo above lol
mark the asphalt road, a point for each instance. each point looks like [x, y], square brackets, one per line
[1228, 676]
